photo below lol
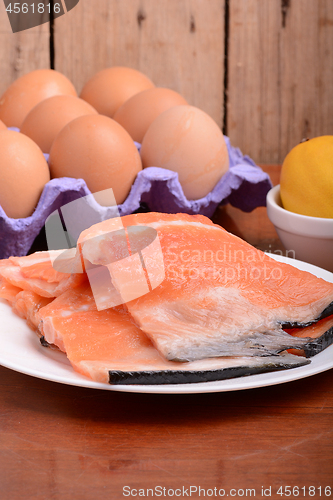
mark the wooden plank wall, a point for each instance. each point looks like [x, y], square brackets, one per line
[21, 52]
[178, 44]
[278, 57]
[280, 84]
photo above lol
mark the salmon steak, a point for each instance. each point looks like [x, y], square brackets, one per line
[107, 346]
[169, 299]
[219, 297]
[36, 273]
[27, 305]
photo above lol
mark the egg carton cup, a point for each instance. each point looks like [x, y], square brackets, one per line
[244, 186]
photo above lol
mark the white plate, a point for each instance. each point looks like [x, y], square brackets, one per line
[20, 350]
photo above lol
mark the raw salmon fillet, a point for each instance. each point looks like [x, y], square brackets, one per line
[220, 295]
[108, 347]
[31, 282]
[213, 308]
[27, 304]
[36, 273]
[8, 291]
[73, 302]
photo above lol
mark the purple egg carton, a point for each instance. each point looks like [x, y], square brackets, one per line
[245, 186]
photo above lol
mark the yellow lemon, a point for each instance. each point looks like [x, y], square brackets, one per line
[306, 183]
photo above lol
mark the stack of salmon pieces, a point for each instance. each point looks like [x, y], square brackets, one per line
[193, 304]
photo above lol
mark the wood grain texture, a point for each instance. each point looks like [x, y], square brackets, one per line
[58, 441]
[280, 75]
[179, 45]
[21, 52]
[77, 444]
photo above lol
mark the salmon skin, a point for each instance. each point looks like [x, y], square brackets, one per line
[232, 367]
[320, 335]
[318, 345]
[220, 296]
[328, 311]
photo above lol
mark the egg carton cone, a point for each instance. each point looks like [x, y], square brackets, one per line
[244, 186]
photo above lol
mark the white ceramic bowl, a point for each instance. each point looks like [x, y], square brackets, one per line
[311, 238]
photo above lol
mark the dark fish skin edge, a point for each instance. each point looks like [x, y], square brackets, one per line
[315, 346]
[328, 311]
[43, 341]
[164, 377]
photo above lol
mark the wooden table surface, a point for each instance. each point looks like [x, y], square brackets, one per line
[64, 442]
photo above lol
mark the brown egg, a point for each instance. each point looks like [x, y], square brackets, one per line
[188, 141]
[111, 87]
[138, 112]
[2, 126]
[45, 120]
[97, 149]
[30, 89]
[23, 174]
